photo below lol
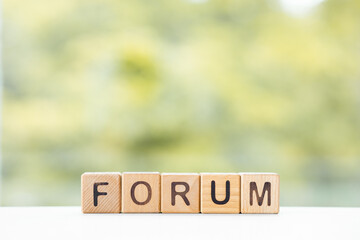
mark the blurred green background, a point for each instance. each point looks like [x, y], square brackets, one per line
[181, 86]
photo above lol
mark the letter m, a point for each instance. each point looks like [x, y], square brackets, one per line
[260, 199]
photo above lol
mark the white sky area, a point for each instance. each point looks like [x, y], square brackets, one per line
[299, 7]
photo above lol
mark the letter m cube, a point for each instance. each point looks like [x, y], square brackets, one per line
[259, 192]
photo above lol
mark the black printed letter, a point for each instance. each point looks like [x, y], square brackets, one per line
[147, 185]
[97, 193]
[181, 194]
[227, 197]
[253, 188]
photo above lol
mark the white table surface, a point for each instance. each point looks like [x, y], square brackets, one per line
[69, 223]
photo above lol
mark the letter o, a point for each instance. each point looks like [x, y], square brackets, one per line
[132, 191]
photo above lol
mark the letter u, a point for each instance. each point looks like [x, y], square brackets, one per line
[213, 195]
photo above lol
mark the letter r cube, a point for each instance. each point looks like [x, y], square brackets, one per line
[259, 192]
[180, 193]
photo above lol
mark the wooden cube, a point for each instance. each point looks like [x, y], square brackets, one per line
[180, 193]
[141, 192]
[220, 193]
[260, 192]
[101, 192]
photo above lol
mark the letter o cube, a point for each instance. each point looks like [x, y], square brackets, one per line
[141, 192]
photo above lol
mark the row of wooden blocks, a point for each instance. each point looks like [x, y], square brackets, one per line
[147, 192]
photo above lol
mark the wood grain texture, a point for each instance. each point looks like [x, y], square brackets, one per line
[219, 193]
[180, 193]
[101, 184]
[141, 192]
[255, 191]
